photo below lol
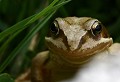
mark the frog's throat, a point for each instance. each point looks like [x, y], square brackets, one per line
[65, 63]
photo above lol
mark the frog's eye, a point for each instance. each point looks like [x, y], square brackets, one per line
[96, 28]
[55, 28]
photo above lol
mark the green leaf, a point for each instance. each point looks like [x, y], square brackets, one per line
[26, 21]
[21, 25]
[5, 78]
[17, 28]
[32, 19]
[14, 28]
[23, 43]
[46, 10]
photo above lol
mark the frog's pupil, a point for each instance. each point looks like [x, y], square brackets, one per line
[54, 29]
[97, 29]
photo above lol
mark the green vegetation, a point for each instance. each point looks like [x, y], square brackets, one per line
[5, 78]
[21, 20]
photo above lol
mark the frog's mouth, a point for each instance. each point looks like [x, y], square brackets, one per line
[77, 56]
[100, 46]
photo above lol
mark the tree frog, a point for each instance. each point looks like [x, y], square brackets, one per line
[72, 43]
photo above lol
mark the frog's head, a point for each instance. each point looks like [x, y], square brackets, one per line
[74, 37]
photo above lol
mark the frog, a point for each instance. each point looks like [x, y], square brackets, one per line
[72, 42]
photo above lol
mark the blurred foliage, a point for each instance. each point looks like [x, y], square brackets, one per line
[13, 11]
[5, 78]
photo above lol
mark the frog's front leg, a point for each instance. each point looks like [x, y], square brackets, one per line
[38, 71]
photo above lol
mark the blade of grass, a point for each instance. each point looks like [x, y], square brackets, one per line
[22, 44]
[42, 12]
[4, 46]
[25, 22]
[30, 19]
[59, 5]
[13, 28]
[8, 41]
[39, 14]
[25, 41]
